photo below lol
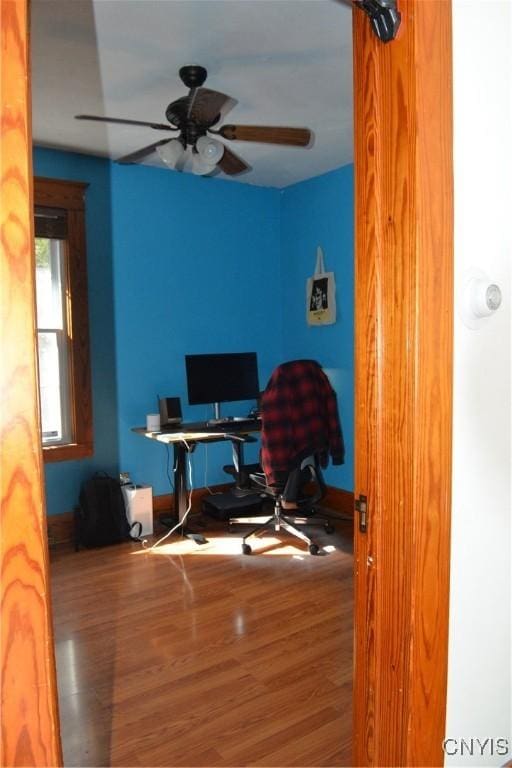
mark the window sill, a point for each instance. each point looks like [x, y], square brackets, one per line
[66, 452]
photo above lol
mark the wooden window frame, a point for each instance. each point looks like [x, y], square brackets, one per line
[70, 195]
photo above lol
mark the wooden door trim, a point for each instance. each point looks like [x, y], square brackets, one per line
[404, 276]
[30, 723]
[404, 338]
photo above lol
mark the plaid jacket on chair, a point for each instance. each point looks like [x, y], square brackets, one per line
[299, 416]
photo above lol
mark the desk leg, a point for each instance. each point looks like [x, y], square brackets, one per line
[180, 481]
[180, 492]
[180, 488]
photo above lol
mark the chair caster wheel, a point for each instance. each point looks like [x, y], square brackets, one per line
[328, 528]
[313, 548]
[246, 549]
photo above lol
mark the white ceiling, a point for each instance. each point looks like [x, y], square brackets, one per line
[286, 62]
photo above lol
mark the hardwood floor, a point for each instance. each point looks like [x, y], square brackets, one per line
[200, 656]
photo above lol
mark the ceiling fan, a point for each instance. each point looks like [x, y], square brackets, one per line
[193, 117]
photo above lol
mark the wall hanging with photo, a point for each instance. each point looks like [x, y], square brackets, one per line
[321, 294]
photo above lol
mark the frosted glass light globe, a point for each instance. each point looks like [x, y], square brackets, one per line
[210, 150]
[171, 152]
[200, 167]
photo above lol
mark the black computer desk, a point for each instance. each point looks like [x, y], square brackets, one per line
[184, 439]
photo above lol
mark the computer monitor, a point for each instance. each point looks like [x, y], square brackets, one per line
[222, 378]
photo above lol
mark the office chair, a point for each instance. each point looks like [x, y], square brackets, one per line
[300, 429]
[308, 472]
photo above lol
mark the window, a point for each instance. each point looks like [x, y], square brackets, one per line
[62, 319]
[52, 338]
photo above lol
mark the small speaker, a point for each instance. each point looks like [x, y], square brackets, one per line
[170, 410]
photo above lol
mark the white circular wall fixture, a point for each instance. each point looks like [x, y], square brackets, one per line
[480, 299]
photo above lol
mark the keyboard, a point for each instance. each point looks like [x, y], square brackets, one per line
[225, 425]
[237, 423]
[232, 425]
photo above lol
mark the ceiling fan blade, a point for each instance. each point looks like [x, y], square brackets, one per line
[206, 106]
[156, 126]
[267, 134]
[140, 154]
[231, 164]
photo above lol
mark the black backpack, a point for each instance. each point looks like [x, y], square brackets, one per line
[100, 518]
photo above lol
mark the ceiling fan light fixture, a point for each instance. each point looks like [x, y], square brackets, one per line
[171, 152]
[210, 150]
[193, 115]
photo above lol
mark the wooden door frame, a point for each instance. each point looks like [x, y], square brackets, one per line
[30, 720]
[404, 337]
[403, 384]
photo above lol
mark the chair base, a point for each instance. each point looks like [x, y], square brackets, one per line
[276, 522]
[323, 520]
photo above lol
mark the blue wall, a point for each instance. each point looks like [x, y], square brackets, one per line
[320, 211]
[196, 269]
[63, 478]
[182, 264]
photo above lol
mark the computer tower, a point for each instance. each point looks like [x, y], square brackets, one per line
[138, 501]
